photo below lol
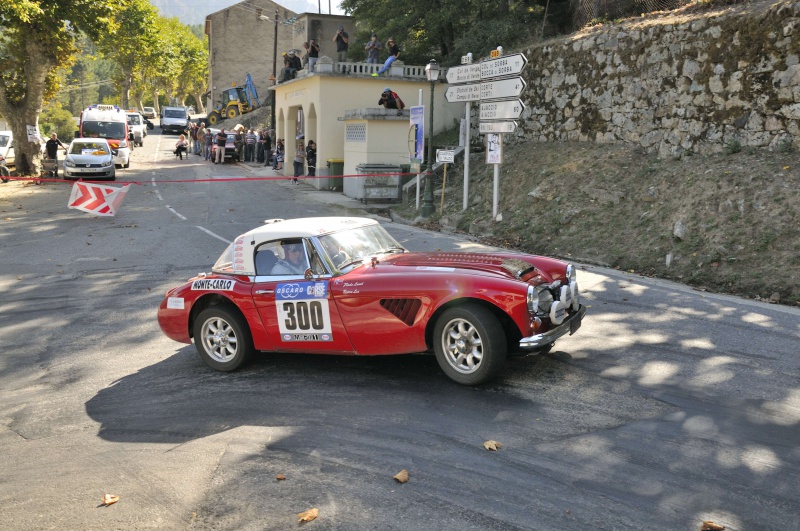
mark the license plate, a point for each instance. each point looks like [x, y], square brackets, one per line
[574, 325]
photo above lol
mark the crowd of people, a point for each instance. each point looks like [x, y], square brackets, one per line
[250, 145]
[292, 62]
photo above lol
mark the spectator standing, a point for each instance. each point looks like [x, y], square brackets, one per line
[394, 54]
[373, 47]
[280, 151]
[311, 158]
[312, 54]
[341, 38]
[238, 143]
[51, 149]
[262, 139]
[221, 139]
[299, 158]
[250, 146]
[200, 146]
[209, 142]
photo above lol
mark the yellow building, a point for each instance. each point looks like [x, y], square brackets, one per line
[337, 107]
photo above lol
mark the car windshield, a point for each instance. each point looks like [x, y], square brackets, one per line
[174, 113]
[225, 261]
[134, 119]
[88, 148]
[353, 246]
[4, 140]
[103, 129]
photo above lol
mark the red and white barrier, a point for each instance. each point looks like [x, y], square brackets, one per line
[97, 199]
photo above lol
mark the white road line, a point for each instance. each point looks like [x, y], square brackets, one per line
[176, 213]
[212, 234]
[158, 194]
[158, 148]
[153, 180]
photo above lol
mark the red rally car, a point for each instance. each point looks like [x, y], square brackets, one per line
[341, 285]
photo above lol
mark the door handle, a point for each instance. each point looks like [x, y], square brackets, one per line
[263, 291]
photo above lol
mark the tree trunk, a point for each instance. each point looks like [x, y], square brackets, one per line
[200, 107]
[24, 113]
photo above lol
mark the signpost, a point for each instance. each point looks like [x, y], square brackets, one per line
[502, 110]
[502, 88]
[497, 127]
[463, 93]
[509, 65]
[464, 74]
[445, 156]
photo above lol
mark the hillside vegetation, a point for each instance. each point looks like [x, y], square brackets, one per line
[724, 223]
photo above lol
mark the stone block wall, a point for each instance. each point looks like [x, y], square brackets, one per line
[672, 83]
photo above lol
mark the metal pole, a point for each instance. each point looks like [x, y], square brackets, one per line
[466, 159]
[495, 189]
[418, 175]
[444, 183]
[427, 200]
[274, 73]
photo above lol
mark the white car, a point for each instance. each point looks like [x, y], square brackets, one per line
[89, 159]
[7, 147]
[136, 128]
[149, 113]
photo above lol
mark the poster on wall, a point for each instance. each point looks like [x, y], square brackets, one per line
[416, 138]
[33, 133]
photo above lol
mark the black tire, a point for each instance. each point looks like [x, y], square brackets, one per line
[222, 338]
[232, 112]
[470, 344]
[214, 118]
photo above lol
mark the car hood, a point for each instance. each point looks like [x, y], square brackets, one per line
[507, 265]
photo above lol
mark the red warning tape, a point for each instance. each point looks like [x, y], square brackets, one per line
[39, 180]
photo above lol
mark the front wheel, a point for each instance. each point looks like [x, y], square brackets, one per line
[469, 343]
[214, 118]
[232, 112]
[222, 338]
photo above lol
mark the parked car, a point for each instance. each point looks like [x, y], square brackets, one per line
[7, 147]
[336, 285]
[137, 128]
[149, 113]
[90, 159]
[230, 146]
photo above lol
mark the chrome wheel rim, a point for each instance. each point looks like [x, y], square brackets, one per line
[462, 346]
[219, 339]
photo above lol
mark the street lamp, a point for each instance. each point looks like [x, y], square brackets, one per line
[432, 73]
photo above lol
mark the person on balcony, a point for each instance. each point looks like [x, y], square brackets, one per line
[373, 47]
[341, 39]
[394, 54]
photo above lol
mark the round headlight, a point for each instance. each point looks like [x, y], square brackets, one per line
[543, 299]
[557, 312]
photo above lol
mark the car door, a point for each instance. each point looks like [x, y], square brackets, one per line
[298, 314]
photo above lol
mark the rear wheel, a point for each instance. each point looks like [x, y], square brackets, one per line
[232, 112]
[469, 343]
[222, 338]
[214, 118]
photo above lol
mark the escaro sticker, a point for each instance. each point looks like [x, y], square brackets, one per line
[303, 311]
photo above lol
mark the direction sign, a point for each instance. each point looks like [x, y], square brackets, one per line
[463, 93]
[464, 73]
[498, 127]
[445, 155]
[509, 65]
[504, 88]
[502, 110]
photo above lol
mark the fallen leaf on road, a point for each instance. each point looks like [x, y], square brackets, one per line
[109, 499]
[402, 476]
[308, 515]
[280, 477]
[492, 445]
[708, 525]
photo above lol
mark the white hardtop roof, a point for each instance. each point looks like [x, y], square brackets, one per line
[304, 227]
[86, 140]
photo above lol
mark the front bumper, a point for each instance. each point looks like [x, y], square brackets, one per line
[569, 326]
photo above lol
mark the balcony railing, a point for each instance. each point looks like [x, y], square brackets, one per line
[326, 66]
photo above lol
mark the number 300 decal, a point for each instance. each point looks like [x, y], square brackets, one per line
[303, 311]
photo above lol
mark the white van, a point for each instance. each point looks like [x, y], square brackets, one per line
[109, 122]
[7, 147]
[136, 127]
[174, 119]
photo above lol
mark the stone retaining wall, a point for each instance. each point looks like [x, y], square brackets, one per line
[671, 83]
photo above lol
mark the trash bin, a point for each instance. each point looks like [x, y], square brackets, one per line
[379, 187]
[335, 167]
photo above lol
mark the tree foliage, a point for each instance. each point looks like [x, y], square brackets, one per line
[447, 29]
[37, 37]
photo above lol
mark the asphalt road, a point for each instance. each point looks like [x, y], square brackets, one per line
[669, 406]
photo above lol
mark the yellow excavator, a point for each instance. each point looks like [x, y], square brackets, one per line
[235, 101]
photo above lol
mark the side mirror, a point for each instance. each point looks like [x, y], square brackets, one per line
[309, 275]
[77, 134]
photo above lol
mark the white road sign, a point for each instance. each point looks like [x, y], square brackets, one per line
[502, 110]
[498, 127]
[463, 93]
[509, 65]
[504, 88]
[464, 73]
[445, 155]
